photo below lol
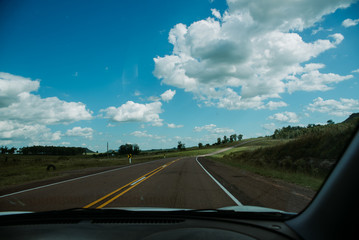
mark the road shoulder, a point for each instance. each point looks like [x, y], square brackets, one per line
[255, 190]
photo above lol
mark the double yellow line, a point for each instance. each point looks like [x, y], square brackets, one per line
[107, 199]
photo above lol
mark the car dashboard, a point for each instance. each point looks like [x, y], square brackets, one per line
[143, 225]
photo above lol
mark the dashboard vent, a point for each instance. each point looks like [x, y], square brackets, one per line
[138, 221]
[41, 222]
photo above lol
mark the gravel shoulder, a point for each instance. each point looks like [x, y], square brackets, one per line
[255, 190]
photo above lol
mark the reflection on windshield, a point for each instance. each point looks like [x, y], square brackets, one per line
[210, 105]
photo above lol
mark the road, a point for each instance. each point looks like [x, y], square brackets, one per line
[187, 182]
[173, 183]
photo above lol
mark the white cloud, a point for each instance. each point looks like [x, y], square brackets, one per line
[168, 95]
[80, 132]
[172, 125]
[206, 128]
[216, 13]
[269, 127]
[136, 112]
[287, 15]
[350, 22]
[153, 98]
[245, 58]
[25, 116]
[141, 134]
[212, 128]
[355, 71]
[289, 117]
[315, 31]
[13, 131]
[311, 79]
[20, 105]
[274, 105]
[137, 93]
[12, 86]
[343, 107]
[33, 108]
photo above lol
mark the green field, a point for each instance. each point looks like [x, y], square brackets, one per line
[18, 169]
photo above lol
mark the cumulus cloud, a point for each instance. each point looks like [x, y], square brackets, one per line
[25, 115]
[136, 112]
[350, 22]
[80, 132]
[289, 117]
[310, 79]
[244, 57]
[33, 108]
[341, 108]
[12, 86]
[168, 95]
[19, 104]
[12, 131]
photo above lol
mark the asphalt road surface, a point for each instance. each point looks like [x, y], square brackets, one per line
[171, 183]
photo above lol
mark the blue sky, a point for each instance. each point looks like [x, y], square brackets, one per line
[83, 73]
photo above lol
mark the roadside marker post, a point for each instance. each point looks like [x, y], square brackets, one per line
[129, 158]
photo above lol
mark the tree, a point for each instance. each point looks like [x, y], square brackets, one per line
[200, 145]
[239, 137]
[330, 122]
[11, 150]
[234, 137]
[136, 149]
[129, 149]
[181, 146]
[3, 150]
[225, 139]
[218, 141]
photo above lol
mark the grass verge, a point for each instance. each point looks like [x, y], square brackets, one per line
[232, 158]
[301, 179]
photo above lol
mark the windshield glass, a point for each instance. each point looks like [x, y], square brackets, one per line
[199, 104]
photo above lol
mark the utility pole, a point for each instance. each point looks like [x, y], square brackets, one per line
[107, 150]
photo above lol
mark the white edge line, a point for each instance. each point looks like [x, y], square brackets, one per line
[220, 185]
[73, 179]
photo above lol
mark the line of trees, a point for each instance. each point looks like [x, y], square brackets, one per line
[290, 132]
[232, 138]
[6, 150]
[51, 150]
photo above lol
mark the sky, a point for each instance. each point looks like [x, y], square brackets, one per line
[152, 73]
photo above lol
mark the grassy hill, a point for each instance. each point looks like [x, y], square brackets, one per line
[311, 150]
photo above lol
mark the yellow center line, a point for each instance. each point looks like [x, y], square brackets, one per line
[133, 184]
[111, 193]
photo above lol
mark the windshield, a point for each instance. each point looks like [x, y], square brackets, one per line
[166, 105]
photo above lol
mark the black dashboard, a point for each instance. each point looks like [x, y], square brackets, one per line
[147, 226]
